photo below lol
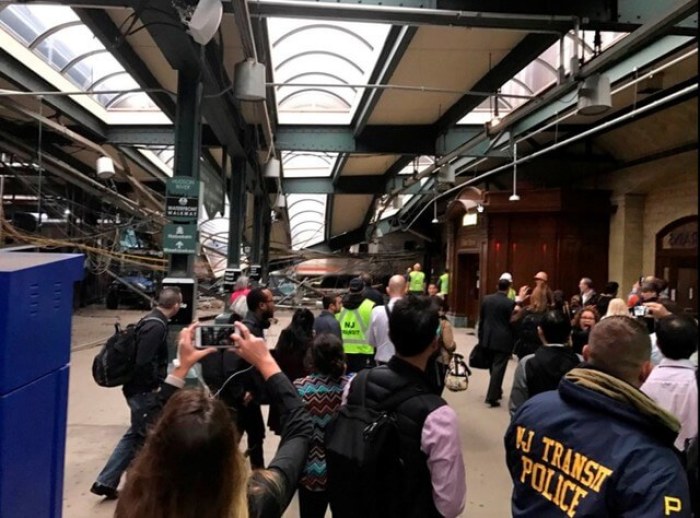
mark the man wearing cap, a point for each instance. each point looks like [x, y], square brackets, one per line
[508, 277]
[416, 280]
[354, 321]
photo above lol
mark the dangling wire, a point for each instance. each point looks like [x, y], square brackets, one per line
[39, 158]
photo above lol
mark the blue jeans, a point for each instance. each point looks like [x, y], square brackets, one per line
[142, 407]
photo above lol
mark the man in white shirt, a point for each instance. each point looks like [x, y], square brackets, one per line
[588, 294]
[673, 383]
[379, 323]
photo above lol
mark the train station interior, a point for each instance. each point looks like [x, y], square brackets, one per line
[186, 142]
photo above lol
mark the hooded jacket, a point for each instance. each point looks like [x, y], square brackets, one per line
[595, 447]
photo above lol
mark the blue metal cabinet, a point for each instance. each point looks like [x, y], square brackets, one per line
[36, 299]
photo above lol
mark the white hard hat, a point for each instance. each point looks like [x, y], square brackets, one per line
[506, 276]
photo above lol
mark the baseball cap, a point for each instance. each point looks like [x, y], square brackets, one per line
[508, 277]
[356, 285]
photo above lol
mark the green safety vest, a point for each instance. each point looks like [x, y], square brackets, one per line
[445, 283]
[354, 325]
[415, 281]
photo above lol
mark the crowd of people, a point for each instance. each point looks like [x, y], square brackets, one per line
[598, 426]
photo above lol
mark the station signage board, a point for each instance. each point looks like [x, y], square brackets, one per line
[180, 238]
[182, 198]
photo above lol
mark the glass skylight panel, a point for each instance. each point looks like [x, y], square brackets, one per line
[307, 213]
[321, 64]
[306, 164]
[538, 75]
[56, 35]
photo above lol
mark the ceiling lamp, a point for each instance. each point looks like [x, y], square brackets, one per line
[205, 20]
[514, 196]
[435, 218]
[594, 96]
[446, 174]
[104, 168]
[249, 81]
[272, 168]
[281, 202]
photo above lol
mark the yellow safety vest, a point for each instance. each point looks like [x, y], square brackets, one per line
[445, 283]
[354, 325]
[416, 280]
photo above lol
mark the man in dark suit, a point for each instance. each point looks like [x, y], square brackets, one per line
[496, 336]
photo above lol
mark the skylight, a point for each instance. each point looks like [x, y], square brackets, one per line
[307, 219]
[321, 66]
[536, 77]
[55, 34]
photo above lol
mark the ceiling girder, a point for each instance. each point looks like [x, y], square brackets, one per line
[153, 135]
[410, 140]
[365, 184]
[17, 73]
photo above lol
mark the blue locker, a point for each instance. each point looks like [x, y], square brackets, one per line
[36, 304]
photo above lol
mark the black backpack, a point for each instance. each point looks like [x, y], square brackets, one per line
[365, 469]
[114, 364]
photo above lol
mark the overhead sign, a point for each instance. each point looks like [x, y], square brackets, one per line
[254, 272]
[179, 239]
[182, 198]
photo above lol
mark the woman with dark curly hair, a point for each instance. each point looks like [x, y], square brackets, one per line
[581, 327]
[290, 353]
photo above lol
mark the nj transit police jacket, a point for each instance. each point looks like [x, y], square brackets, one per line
[594, 448]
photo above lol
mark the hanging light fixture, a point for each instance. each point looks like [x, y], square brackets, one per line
[272, 168]
[479, 207]
[594, 97]
[514, 196]
[249, 81]
[435, 218]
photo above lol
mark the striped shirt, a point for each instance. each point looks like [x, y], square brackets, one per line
[322, 396]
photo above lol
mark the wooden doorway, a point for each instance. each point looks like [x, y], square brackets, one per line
[467, 289]
[676, 261]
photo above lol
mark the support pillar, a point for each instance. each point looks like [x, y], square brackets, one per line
[237, 211]
[259, 208]
[188, 139]
[265, 259]
[625, 255]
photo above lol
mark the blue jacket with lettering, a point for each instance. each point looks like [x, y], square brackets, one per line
[594, 450]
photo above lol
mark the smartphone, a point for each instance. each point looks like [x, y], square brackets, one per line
[214, 335]
[640, 311]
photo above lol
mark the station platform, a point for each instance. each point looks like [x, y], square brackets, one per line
[97, 418]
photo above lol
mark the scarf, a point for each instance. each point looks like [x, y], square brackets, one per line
[618, 390]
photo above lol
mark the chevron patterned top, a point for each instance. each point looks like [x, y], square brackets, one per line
[322, 396]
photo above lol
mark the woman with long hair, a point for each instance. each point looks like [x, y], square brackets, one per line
[191, 465]
[525, 323]
[322, 393]
[617, 307]
[290, 353]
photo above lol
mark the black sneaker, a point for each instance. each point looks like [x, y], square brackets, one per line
[492, 403]
[101, 490]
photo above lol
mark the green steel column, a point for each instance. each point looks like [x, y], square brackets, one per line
[237, 211]
[188, 139]
[265, 259]
[258, 220]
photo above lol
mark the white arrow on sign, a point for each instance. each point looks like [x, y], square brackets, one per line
[179, 244]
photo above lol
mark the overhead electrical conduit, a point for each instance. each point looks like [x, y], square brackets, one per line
[566, 142]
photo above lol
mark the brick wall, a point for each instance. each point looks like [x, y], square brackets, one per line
[672, 199]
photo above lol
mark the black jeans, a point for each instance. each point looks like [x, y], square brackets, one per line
[250, 420]
[312, 504]
[497, 371]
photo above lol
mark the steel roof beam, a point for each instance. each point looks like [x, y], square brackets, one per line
[365, 184]
[17, 73]
[153, 135]
[411, 140]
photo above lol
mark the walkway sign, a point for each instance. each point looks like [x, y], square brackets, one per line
[182, 198]
[180, 238]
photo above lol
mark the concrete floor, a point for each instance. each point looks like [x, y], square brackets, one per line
[97, 417]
